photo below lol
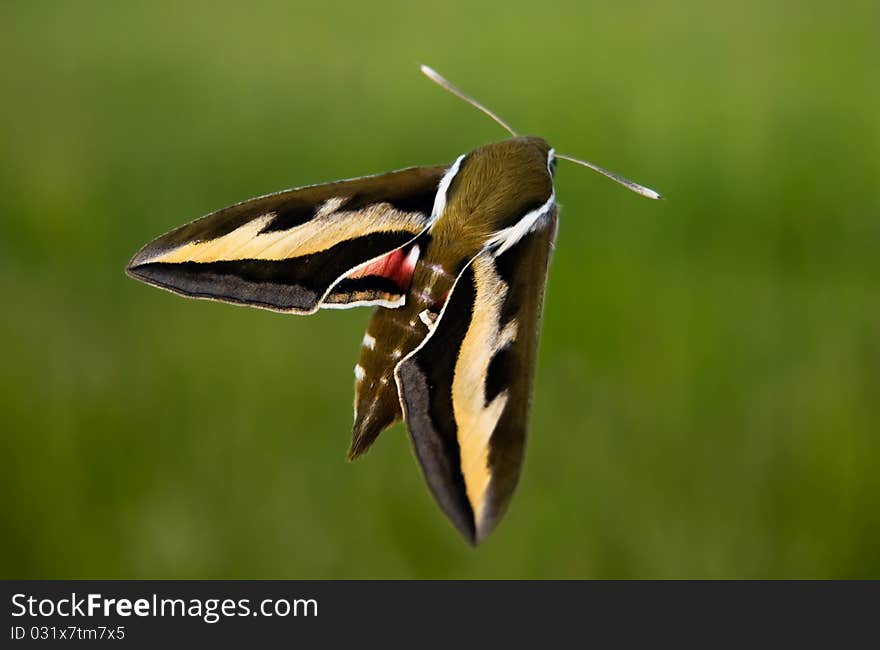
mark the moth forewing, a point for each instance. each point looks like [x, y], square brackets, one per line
[287, 251]
[465, 391]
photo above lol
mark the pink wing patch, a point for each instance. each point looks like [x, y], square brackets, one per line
[397, 266]
[384, 281]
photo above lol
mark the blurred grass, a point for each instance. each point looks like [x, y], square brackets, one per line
[706, 400]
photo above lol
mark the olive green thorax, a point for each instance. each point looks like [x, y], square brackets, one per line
[495, 186]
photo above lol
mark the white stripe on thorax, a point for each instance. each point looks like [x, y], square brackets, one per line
[506, 238]
[443, 187]
[509, 236]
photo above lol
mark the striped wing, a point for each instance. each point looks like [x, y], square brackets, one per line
[466, 390]
[336, 245]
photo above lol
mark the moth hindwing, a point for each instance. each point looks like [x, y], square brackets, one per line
[454, 258]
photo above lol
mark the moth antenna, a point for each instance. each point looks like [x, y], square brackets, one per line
[444, 83]
[447, 85]
[628, 184]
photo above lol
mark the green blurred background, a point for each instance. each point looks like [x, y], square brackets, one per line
[706, 402]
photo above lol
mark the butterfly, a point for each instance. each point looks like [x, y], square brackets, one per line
[453, 258]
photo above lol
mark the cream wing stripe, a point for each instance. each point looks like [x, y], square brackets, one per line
[326, 229]
[475, 419]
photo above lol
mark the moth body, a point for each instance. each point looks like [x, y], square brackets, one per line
[486, 191]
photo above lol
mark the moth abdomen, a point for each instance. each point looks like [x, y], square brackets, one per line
[376, 404]
[391, 335]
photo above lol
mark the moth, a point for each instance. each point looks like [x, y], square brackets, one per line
[454, 260]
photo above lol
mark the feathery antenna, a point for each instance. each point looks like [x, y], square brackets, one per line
[444, 83]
